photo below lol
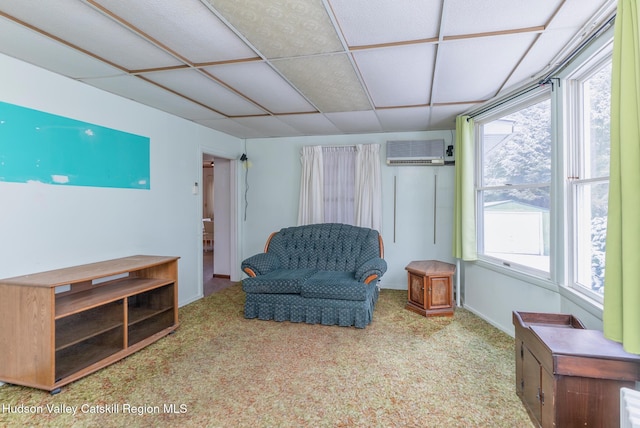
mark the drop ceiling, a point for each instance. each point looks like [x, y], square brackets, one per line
[278, 68]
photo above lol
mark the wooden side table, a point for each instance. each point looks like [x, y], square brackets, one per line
[430, 288]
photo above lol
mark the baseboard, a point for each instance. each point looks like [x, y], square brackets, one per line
[489, 320]
[191, 300]
[217, 275]
[392, 286]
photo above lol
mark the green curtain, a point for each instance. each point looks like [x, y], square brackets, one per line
[621, 318]
[464, 225]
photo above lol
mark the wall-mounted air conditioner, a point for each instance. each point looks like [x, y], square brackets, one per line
[415, 152]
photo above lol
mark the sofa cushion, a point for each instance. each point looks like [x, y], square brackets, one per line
[279, 281]
[334, 285]
[326, 246]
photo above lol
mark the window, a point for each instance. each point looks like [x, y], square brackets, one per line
[542, 176]
[514, 183]
[339, 171]
[588, 175]
[342, 185]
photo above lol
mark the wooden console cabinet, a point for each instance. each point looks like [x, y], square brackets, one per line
[61, 325]
[430, 288]
[569, 376]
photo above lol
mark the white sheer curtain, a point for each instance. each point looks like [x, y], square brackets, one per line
[311, 204]
[368, 187]
[339, 164]
[341, 185]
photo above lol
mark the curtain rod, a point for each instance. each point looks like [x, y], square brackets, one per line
[577, 50]
[548, 77]
[505, 100]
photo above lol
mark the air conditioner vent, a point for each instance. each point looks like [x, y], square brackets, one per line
[415, 161]
[415, 152]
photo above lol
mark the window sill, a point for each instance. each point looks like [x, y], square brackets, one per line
[518, 274]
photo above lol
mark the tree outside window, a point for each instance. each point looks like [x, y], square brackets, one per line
[589, 180]
[515, 184]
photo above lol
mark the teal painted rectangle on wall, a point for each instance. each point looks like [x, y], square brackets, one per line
[46, 148]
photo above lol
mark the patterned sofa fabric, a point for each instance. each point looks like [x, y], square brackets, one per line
[327, 264]
[334, 285]
[278, 281]
[295, 308]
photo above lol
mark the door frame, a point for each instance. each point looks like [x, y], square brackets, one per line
[234, 210]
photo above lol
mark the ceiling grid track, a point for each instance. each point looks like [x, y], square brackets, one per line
[281, 68]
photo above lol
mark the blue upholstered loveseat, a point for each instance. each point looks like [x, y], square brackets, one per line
[319, 274]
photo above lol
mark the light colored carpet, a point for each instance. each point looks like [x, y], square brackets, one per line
[221, 370]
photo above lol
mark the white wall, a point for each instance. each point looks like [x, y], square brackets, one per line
[493, 294]
[590, 315]
[45, 227]
[274, 186]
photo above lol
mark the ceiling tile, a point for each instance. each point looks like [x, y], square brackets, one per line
[354, 122]
[285, 28]
[399, 75]
[31, 46]
[310, 124]
[188, 27]
[328, 81]
[465, 17]
[268, 126]
[559, 39]
[147, 93]
[366, 22]
[468, 70]
[582, 13]
[267, 68]
[262, 84]
[444, 117]
[78, 24]
[231, 127]
[196, 86]
[404, 119]
[540, 56]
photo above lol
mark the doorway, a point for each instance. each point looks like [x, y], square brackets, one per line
[217, 215]
[208, 218]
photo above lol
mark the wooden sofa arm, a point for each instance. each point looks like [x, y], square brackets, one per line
[371, 278]
[266, 246]
[249, 272]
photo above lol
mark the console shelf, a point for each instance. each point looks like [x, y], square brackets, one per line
[61, 325]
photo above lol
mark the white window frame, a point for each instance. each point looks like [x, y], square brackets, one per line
[574, 120]
[534, 96]
[563, 132]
